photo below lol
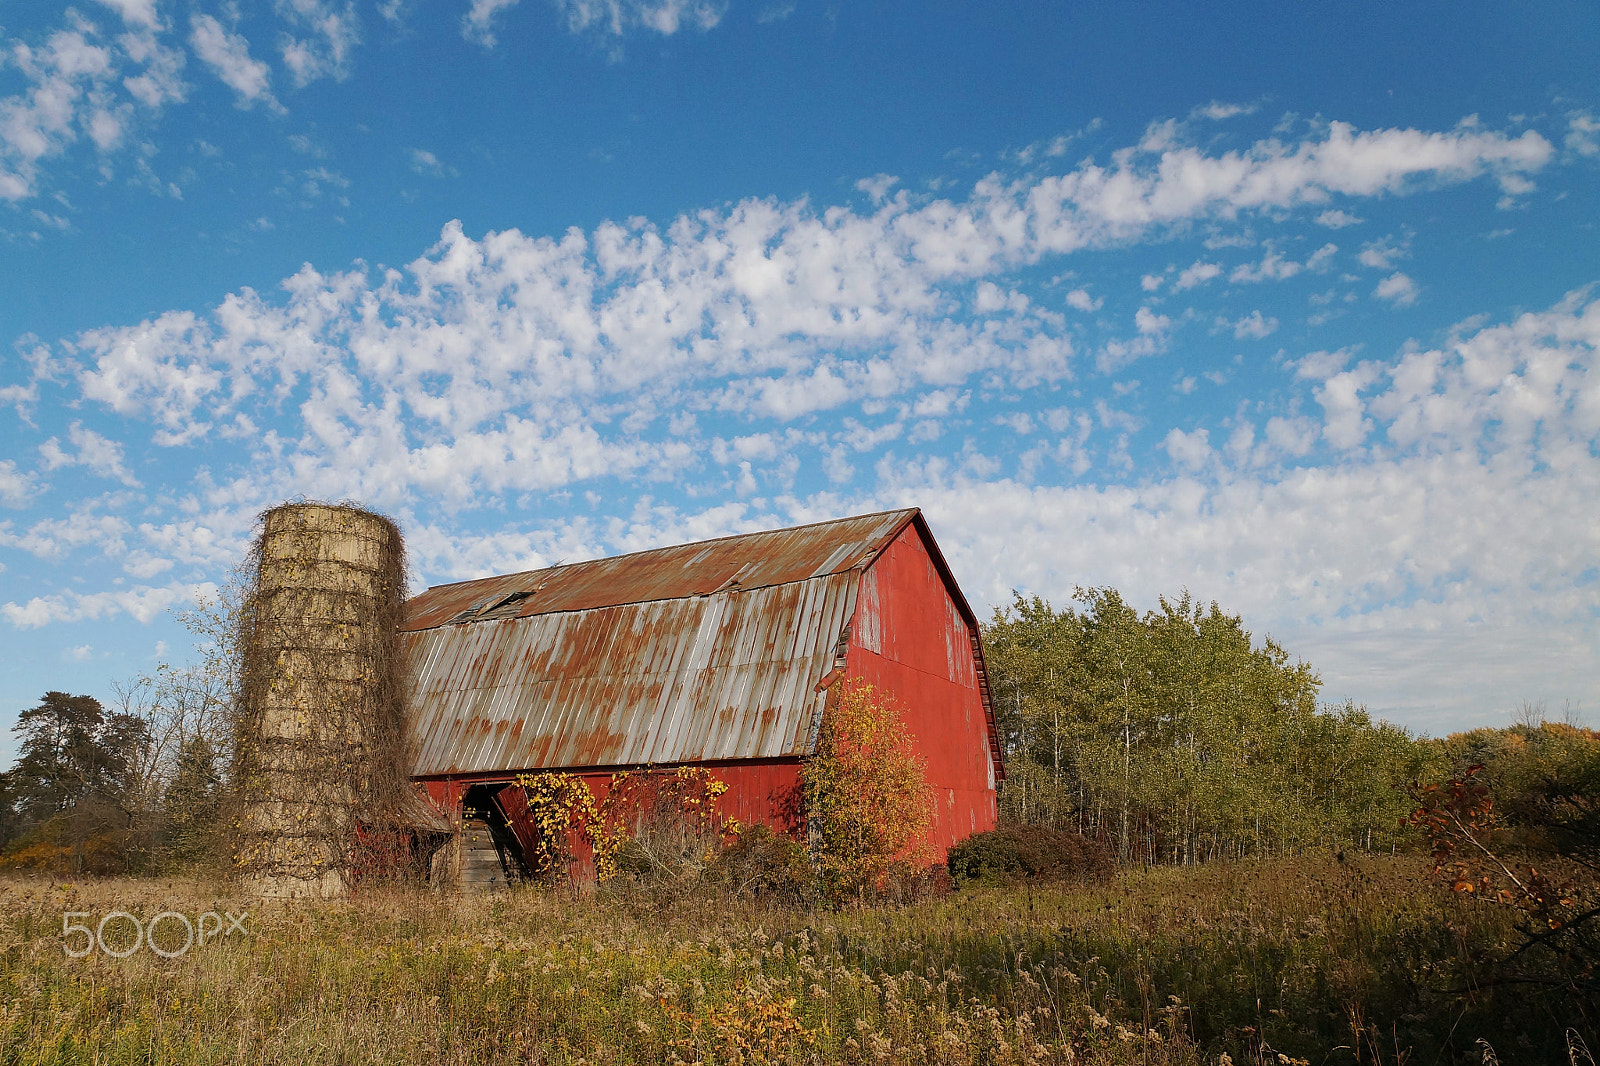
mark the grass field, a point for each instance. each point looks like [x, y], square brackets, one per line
[1306, 959]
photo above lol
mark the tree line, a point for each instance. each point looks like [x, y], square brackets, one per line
[1176, 737]
[138, 785]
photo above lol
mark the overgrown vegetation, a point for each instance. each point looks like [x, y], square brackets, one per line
[1318, 960]
[1517, 827]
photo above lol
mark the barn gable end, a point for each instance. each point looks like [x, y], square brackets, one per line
[914, 637]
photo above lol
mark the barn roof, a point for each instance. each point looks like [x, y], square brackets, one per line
[697, 652]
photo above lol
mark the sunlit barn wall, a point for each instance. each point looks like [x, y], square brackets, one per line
[910, 639]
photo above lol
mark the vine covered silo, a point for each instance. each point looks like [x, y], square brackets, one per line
[322, 685]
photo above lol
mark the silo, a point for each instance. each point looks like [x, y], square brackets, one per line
[319, 743]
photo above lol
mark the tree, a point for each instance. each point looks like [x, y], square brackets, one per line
[1177, 737]
[176, 793]
[71, 782]
[192, 803]
[867, 800]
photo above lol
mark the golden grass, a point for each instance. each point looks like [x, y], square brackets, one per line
[1300, 957]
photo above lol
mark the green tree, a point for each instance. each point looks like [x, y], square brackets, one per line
[1177, 737]
[192, 804]
[71, 782]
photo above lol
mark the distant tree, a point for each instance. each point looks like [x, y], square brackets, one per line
[1177, 737]
[176, 789]
[9, 821]
[866, 795]
[71, 782]
[192, 804]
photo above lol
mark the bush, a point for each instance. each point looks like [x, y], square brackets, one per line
[865, 792]
[1026, 853]
[906, 883]
[765, 865]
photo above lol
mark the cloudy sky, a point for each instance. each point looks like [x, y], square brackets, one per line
[1298, 310]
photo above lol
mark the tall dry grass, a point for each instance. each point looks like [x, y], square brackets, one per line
[1309, 959]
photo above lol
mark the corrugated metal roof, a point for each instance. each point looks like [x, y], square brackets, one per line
[698, 652]
[753, 560]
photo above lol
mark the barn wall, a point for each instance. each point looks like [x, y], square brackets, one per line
[909, 639]
[759, 793]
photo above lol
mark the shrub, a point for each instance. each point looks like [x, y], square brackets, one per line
[765, 865]
[906, 883]
[1018, 853]
[866, 797]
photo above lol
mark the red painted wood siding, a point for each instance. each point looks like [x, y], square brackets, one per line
[764, 793]
[909, 639]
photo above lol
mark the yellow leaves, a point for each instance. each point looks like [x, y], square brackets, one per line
[865, 785]
[563, 805]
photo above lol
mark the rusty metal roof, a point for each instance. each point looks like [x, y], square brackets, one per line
[747, 561]
[698, 652]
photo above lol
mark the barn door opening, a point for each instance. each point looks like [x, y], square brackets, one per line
[492, 856]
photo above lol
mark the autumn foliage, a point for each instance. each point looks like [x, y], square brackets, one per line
[867, 799]
[649, 809]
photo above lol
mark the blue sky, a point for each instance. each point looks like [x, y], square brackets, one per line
[1296, 309]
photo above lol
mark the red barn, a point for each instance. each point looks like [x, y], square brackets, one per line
[717, 654]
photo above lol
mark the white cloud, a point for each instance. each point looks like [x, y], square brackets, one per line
[1188, 450]
[1398, 289]
[1216, 111]
[616, 17]
[142, 604]
[1291, 437]
[334, 32]
[1197, 273]
[878, 186]
[1382, 254]
[1095, 204]
[55, 538]
[1583, 134]
[509, 362]
[65, 76]
[137, 14]
[1147, 321]
[1273, 267]
[100, 455]
[1342, 407]
[425, 162]
[1334, 218]
[228, 56]
[1322, 365]
[160, 82]
[477, 25]
[1254, 325]
[16, 486]
[1080, 300]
